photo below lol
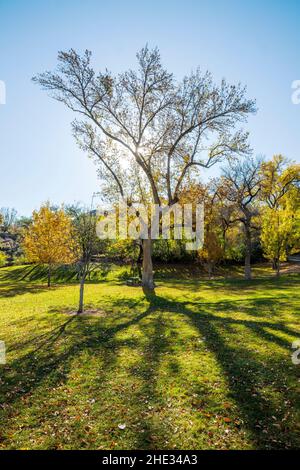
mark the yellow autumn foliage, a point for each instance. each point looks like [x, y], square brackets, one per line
[48, 239]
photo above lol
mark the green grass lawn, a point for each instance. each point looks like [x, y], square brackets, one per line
[200, 365]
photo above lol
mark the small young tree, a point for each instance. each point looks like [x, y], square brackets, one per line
[212, 251]
[85, 245]
[48, 240]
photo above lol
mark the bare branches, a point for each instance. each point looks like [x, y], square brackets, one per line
[242, 181]
[88, 141]
[145, 114]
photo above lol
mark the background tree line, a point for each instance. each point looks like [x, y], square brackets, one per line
[252, 212]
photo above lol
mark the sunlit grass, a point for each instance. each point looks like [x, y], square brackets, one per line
[202, 364]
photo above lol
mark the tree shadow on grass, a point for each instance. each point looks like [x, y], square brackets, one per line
[22, 280]
[12, 290]
[154, 431]
[28, 279]
[248, 374]
[234, 285]
[257, 382]
[247, 377]
[50, 361]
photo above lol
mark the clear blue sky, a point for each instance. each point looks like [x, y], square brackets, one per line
[257, 43]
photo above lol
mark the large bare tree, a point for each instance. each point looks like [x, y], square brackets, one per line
[148, 131]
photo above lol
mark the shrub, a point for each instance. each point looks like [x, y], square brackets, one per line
[3, 259]
[20, 260]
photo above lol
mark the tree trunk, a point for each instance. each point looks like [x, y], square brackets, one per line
[140, 261]
[224, 240]
[49, 276]
[147, 274]
[210, 269]
[277, 268]
[81, 293]
[248, 273]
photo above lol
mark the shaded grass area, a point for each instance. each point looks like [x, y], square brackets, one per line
[32, 278]
[108, 271]
[201, 364]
